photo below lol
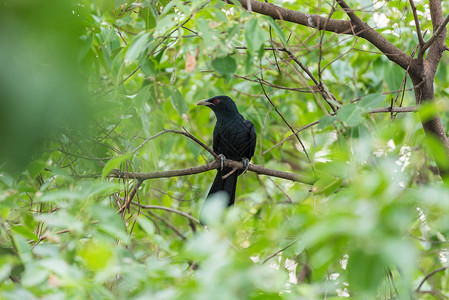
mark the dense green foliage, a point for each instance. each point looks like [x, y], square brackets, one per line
[86, 84]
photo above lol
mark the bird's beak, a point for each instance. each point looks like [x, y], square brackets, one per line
[203, 102]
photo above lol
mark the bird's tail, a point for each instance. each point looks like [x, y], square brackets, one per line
[228, 185]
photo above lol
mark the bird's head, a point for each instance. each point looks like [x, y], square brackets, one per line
[220, 104]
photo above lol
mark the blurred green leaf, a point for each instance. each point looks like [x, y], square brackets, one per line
[365, 272]
[177, 100]
[225, 66]
[326, 121]
[371, 101]
[350, 114]
[96, 255]
[326, 185]
[138, 46]
[109, 221]
[114, 163]
[254, 35]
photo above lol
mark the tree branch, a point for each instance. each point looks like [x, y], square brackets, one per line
[436, 34]
[430, 275]
[350, 27]
[394, 109]
[418, 27]
[211, 166]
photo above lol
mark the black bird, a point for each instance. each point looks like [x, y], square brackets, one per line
[234, 138]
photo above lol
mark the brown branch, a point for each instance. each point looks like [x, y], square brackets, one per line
[350, 27]
[418, 27]
[323, 90]
[436, 34]
[351, 14]
[211, 166]
[264, 82]
[131, 196]
[428, 276]
[394, 109]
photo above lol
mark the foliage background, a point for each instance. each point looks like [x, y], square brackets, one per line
[86, 84]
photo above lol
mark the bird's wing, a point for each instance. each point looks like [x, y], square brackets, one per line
[252, 138]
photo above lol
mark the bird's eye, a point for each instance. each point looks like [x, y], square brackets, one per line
[216, 101]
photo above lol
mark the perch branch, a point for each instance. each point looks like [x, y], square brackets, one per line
[211, 166]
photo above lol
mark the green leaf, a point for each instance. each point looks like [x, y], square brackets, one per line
[23, 249]
[109, 222]
[225, 66]
[427, 111]
[371, 101]
[254, 36]
[248, 63]
[114, 163]
[149, 14]
[146, 124]
[96, 255]
[176, 99]
[35, 167]
[436, 148]
[25, 232]
[393, 76]
[34, 275]
[138, 46]
[277, 29]
[365, 271]
[146, 225]
[148, 66]
[326, 121]
[350, 114]
[326, 185]
[178, 102]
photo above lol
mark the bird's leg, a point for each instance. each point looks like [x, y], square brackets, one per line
[246, 164]
[222, 160]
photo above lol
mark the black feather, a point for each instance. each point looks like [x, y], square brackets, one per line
[234, 137]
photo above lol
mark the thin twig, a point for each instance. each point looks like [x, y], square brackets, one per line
[290, 136]
[185, 215]
[279, 251]
[185, 133]
[131, 196]
[286, 123]
[418, 27]
[430, 275]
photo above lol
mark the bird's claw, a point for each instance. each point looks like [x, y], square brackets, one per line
[222, 160]
[245, 164]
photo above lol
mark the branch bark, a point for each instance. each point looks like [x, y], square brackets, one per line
[421, 71]
[353, 26]
[211, 166]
